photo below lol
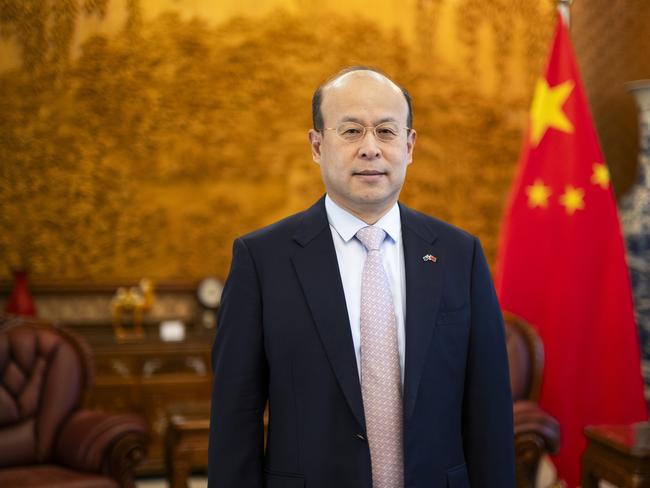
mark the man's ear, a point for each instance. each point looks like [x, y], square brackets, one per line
[410, 144]
[315, 140]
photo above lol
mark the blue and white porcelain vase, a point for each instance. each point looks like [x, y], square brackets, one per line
[635, 217]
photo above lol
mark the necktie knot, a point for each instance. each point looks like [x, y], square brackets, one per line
[371, 237]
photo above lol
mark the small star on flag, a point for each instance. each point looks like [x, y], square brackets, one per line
[573, 199]
[538, 194]
[600, 176]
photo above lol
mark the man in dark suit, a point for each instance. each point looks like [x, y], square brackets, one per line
[372, 330]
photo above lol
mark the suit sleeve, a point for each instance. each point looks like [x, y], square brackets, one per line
[488, 433]
[239, 393]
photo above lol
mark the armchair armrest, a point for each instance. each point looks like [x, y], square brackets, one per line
[112, 444]
[536, 433]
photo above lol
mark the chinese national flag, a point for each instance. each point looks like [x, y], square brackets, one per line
[561, 264]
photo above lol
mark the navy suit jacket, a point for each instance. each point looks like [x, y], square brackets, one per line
[284, 337]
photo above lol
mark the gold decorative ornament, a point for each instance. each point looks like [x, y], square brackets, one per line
[128, 307]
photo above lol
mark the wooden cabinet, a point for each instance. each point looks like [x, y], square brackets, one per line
[149, 378]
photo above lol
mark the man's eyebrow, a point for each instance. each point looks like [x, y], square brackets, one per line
[386, 119]
[349, 118]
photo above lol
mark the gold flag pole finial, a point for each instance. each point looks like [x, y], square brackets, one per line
[564, 7]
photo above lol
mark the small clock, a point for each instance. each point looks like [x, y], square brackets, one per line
[209, 292]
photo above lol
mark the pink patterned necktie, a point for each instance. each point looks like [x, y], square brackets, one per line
[380, 367]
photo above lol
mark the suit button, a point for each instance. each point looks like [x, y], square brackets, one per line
[361, 437]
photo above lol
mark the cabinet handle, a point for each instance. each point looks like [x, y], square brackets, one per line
[197, 364]
[150, 366]
[120, 368]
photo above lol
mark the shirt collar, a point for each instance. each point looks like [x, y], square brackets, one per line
[347, 225]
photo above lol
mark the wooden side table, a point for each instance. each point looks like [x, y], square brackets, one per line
[619, 454]
[186, 442]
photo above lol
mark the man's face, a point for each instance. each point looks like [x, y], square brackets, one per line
[366, 176]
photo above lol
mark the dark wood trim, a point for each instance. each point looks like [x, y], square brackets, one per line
[76, 287]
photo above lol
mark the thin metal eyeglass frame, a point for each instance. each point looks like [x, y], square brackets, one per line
[365, 130]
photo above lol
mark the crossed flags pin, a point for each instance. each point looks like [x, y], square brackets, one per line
[429, 257]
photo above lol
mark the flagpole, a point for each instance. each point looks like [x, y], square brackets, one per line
[564, 7]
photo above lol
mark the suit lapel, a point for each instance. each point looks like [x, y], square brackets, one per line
[423, 292]
[317, 269]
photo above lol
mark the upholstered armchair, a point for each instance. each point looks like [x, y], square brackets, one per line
[536, 432]
[46, 440]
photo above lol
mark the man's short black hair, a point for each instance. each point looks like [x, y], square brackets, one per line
[317, 99]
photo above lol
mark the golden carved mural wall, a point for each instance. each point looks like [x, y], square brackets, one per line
[138, 138]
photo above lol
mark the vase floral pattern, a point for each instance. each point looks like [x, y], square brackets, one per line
[635, 217]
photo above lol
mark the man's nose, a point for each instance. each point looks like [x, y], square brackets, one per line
[369, 148]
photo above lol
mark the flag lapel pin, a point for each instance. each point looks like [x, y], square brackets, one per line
[429, 257]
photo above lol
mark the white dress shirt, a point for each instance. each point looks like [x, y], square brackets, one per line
[351, 256]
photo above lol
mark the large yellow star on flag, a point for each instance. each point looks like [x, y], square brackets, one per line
[546, 109]
[573, 199]
[538, 194]
[600, 175]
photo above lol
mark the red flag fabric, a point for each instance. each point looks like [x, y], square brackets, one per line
[561, 264]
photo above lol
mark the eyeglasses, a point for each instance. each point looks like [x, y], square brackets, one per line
[353, 132]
